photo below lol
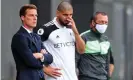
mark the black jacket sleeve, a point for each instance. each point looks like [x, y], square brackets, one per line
[48, 59]
[20, 44]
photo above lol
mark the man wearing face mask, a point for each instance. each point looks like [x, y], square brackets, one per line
[96, 63]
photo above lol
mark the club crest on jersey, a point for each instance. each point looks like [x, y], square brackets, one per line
[57, 36]
[40, 31]
[70, 34]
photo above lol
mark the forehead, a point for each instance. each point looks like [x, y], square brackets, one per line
[101, 17]
[31, 11]
[69, 11]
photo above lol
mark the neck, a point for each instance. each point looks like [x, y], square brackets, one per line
[27, 27]
[96, 33]
[92, 28]
[59, 22]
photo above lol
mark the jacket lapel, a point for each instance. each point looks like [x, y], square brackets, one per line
[29, 36]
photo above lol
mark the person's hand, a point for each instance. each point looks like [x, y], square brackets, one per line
[53, 72]
[43, 51]
[71, 22]
[72, 25]
[38, 55]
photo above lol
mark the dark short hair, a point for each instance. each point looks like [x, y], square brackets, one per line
[95, 14]
[23, 9]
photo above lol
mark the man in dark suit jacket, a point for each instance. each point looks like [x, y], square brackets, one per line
[27, 48]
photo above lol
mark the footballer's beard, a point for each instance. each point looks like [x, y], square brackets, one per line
[62, 23]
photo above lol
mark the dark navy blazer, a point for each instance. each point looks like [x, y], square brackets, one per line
[23, 48]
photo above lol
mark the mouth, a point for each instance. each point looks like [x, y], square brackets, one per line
[34, 22]
[67, 21]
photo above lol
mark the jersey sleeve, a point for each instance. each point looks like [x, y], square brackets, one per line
[111, 56]
[84, 38]
[72, 34]
[43, 33]
[111, 59]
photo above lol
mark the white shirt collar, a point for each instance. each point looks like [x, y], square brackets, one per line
[57, 24]
[27, 30]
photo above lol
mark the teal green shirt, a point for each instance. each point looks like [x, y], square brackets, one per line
[93, 64]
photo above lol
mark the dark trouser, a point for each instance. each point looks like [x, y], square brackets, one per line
[42, 79]
[89, 78]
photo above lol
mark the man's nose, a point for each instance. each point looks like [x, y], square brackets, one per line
[69, 17]
[35, 17]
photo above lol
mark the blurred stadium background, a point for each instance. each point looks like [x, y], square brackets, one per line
[120, 30]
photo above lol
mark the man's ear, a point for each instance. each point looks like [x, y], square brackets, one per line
[57, 13]
[93, 23]
[22, 18]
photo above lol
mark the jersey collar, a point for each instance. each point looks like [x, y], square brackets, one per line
[57, 24]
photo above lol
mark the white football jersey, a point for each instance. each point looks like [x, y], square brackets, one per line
[60, 42]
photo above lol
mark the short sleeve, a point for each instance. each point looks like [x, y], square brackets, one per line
[43, 33]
